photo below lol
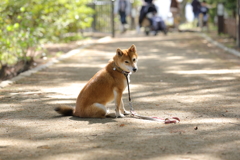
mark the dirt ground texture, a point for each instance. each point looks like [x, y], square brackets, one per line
[180, 74]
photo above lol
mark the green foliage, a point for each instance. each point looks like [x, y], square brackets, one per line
[25, 24]
[136, 3]
[230, 6]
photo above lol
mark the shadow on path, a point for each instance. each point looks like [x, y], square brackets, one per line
[179, 75]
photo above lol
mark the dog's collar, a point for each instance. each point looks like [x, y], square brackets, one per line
[117, 68]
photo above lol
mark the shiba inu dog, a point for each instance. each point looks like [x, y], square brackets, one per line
[105, 86]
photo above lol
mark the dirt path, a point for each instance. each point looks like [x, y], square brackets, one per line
[179, 75]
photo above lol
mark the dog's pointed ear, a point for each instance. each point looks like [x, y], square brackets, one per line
[133, 48]
[119, 52]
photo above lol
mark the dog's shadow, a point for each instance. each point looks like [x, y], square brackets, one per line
[94, 120]
[90, 120]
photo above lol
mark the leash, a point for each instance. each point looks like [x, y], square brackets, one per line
[134, 114]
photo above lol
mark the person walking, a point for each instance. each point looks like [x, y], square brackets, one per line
[196, 5]
[203, 17]
[123, 8]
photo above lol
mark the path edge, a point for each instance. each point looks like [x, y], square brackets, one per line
[52, 62]
[229, 50]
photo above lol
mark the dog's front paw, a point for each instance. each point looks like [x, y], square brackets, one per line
[119, 115]
[126, 112]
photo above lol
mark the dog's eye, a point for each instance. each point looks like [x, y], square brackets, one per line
[134, 60]
[126, 62]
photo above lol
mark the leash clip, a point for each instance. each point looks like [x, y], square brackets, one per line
[132, 112]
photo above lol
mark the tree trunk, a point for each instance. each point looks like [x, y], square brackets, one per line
[182, 11]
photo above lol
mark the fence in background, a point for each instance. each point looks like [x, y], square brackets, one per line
[103, 19]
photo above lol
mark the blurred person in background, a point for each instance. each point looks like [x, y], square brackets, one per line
[146, 14]
[147, 7]
[203, 17]
[196, 5]
[123, 8]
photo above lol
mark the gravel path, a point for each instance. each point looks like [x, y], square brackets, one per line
[179, 75]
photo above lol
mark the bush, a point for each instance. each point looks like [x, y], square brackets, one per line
[26, 24]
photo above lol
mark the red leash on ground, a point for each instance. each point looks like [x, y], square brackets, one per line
[165, 120]
[134, 114]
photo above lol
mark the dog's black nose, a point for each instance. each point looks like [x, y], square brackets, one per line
[134, 69]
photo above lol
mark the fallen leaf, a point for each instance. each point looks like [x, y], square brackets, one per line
[122, 125]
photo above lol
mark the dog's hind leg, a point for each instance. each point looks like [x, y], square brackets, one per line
[96, 110]
[118, 103]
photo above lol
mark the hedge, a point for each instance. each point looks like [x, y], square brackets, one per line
[26, 24]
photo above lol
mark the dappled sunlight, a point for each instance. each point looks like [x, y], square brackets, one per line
[66, 90]
[154, 50]
[175, 57]
[212, 121]
[224, 78]
[149, 56]
[169, 44]
[135, 87]
[189, 156]
[64, 101]
[10, 107]
[192, 61]
[105, 39]
[144, 97]
[85, 65]
[171, 81]
[96, 52]
[196, 99]
[220, 71]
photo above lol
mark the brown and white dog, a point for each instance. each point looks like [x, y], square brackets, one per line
[105, 86]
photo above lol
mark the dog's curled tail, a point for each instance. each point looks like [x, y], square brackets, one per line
[64, 110]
